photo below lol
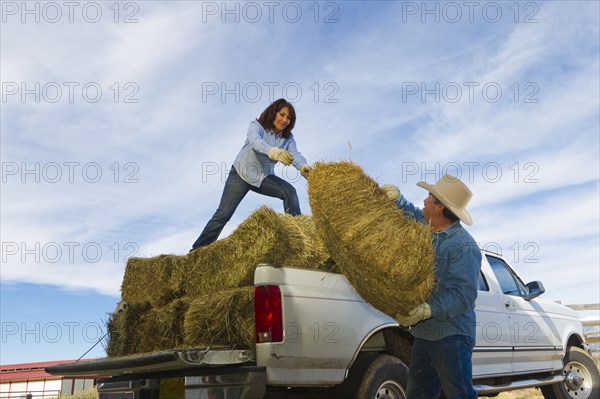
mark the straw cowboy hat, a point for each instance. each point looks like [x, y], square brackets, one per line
[453, 194]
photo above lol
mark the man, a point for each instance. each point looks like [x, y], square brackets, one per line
[444, 326]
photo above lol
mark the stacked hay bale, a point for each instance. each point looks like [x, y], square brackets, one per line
[206, 297]
[234, 311]
[264, 237]
[388, 258]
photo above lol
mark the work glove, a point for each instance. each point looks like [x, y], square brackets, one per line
[392, 192]
[417, 314]
[280, 155]
[305, 170]
[121, 307]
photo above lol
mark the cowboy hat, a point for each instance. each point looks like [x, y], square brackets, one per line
[453, 193]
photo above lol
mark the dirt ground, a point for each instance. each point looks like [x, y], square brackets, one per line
[520, 394]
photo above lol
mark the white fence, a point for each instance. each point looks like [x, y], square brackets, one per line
[48, 394]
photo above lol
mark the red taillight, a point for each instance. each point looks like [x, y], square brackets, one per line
[268, 315]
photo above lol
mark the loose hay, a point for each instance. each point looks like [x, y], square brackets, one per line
[223, 319]
[388, 258]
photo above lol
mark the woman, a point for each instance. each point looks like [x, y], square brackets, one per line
[269, 141]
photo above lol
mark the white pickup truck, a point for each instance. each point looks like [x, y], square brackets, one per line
[316, 337]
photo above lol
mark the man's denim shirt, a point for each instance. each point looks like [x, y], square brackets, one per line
[457, 268]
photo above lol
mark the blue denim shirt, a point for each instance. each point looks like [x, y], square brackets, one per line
[252, 162]
[457, 268]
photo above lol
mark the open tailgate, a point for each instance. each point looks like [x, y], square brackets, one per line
[169, 360]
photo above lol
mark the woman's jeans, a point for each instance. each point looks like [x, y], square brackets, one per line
[235, 190]
[441, 365]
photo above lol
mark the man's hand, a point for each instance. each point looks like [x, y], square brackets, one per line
[280, 155]
[417, 314]
[392, 192]
[305, 170]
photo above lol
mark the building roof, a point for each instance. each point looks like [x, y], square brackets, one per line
[29, 371]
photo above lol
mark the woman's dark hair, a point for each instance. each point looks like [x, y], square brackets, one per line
[267, 118]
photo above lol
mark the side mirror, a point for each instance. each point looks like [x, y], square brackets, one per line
[534, 289]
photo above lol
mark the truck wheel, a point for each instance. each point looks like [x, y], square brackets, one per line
[581, 381]
[376, 377]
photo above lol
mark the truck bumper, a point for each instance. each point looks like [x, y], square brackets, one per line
[230, 383]
[247, 383]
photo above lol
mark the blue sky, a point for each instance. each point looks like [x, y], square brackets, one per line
[119, 124]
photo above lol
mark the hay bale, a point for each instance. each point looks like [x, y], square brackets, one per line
[264, 237]
[388, 258]
[115, 339]
[158, 289]
[222, 319]
[162, 328]
[142, 328]
[123, 330]
[153, 280]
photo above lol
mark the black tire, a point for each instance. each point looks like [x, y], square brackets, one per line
[581, 381]
[375, 376]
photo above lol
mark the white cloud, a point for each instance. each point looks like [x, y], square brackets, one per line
[174, 133]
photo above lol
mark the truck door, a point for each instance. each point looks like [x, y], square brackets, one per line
[532, 335]
[492, 354]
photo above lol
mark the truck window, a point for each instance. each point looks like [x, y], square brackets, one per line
[482, 283]
[509, 283]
